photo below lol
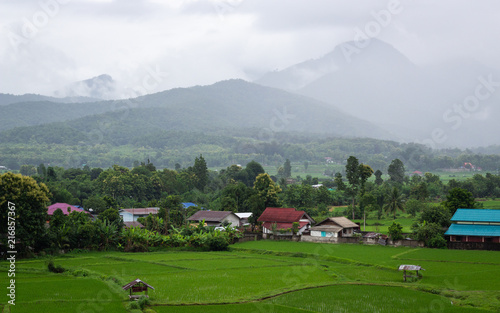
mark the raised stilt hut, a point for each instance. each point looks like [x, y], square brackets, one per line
[137, 286]
[415, 268]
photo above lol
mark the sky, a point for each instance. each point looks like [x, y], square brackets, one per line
[155, 45]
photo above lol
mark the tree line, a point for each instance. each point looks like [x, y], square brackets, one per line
[235, 188]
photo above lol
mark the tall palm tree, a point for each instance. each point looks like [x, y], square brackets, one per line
[394, 202]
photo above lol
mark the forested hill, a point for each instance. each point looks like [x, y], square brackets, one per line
[6, 99]
[229, 104]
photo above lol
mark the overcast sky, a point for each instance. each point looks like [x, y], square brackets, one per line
[48, 44]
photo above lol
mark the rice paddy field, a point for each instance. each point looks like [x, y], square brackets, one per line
[263, 276]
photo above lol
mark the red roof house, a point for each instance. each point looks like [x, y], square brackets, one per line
[65, 208]
[284, 219]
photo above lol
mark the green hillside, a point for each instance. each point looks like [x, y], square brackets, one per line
[232, 104]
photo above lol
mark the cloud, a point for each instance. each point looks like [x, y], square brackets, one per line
[201, 42]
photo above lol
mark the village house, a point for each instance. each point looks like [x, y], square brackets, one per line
[215, 218]
[244, 216]
[283, 219]
[335, 227]
[131, 215]
[65, 208]
[474, 226]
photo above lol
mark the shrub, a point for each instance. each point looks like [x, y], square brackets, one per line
[218, 243]
[143, 301]
[395, 231]
[55, 269]
[136, 247]
[437, 242]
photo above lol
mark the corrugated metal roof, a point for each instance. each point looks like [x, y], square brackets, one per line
[188, 204]
[341, 221]
[64, 208]
[283, 215]
[476, 215]
[405, 267]
[327, 228]
[135, 282]
[243, 214]
[142, 211]
[473, 230]
[209, 216]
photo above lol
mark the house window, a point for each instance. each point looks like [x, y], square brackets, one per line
[488, 239]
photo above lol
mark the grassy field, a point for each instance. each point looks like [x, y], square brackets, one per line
[264, 276]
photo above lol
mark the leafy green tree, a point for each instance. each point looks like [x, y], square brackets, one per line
[51, 174]
[339, 182]
[459, 198]
[431, 234]
[200, 170]
[439, 215]
[256, 205]
[94, 173]
[396, 171]
[229, 204]
[28, 170]
[239, 193]
[28, 201]
[394, 202]
[172, 211]
[113, 216]
[396, 231]
[265, 195]
[414, 206]
[420, 191]
[267, 190]
[322, 196]
[287, 168]
[378, 177]
[42, 171]
[252, 170]
[365, 172]
[352, 174]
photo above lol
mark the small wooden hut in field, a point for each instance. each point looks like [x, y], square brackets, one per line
[405, 268]
[137, 286]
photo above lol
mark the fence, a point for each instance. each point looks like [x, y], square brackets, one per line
[474, 246]
[250, 237]
[366, 241]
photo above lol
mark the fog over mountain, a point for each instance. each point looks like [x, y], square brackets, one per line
[447, 105]
[99, 87]
[421, 71]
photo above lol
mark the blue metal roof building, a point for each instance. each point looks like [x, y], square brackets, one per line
[473, 230]
[475, 226]
[477, 216]
[186, 205]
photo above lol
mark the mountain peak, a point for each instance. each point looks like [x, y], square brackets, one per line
[101, 87]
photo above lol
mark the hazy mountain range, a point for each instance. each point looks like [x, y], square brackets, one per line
[376, 82]
[354, 91]
[229, 106]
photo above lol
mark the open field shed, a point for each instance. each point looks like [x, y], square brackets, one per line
[264, 276]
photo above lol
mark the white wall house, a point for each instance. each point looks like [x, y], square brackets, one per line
[131, 215]
[334, 227]
[215, 218]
